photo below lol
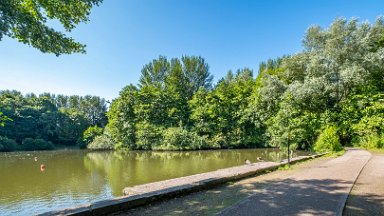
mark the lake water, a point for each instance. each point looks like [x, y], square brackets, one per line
[74, 177]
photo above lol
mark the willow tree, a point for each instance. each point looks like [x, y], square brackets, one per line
[26, 21]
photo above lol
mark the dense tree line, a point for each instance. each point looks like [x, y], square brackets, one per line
[328, 95]
[47, 121]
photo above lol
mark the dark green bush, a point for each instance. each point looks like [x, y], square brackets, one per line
[30, 144]
[7, 145]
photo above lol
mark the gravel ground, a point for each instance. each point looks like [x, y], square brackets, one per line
[367, 195]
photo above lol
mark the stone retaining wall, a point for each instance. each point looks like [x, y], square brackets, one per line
[146, 193]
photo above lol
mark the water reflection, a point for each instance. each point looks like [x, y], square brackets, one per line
[76, 177]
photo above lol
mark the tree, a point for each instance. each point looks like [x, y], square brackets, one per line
[26, 21]
[3, 118]
[47, 117]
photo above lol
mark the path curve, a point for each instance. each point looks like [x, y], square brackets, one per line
[367, 195]
[322, 190]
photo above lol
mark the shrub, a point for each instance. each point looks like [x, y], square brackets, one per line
[101, 142]
[328, 140]
[372, 142]
[175, 138]
[91, 133]
[30, 144]
[7, 145]
[368, 132]
[148, 136]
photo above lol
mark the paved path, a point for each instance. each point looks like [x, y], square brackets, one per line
[367, 195]
[321, 190]
[317, 187]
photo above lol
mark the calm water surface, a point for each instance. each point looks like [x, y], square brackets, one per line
[75, 177]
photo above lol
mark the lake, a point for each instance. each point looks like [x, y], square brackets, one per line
[74, 177]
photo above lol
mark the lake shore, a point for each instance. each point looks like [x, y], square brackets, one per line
[143, 194]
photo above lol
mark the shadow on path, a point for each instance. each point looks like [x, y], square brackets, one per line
[273, 197]
[292, 197]
[367, 204]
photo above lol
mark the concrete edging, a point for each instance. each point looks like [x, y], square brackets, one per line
[143, 194]
[341, 207]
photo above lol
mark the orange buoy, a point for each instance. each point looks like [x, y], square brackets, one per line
[42, 167]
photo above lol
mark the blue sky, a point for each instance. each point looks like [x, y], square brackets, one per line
[123, 35]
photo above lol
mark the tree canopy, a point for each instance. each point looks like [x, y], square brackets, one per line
[329, 95]
[26, 21]
[331, 91]
[47, 120]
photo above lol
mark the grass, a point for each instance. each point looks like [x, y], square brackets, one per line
[376, 151]
[335, 154]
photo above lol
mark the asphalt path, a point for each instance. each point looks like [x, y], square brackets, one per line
[367, 195]
[317, 187]
[321, 190]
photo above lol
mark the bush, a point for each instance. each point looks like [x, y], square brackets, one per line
[328, 140]
[7, 145]
[30, 144]
[368, 132]
[177, 139]
[148, 136]
[372, 142]
[101, 142]
[91, 133]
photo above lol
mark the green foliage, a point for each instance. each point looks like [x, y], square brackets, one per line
[91, 132]
[30, 144]
[328, 140]
[327, 96]
[101, 142]
[148, 135]
[337, 80]
[122, 119]
[176, 139]
[3, 119]
[58, 119]
[26, 21]
[7, 145]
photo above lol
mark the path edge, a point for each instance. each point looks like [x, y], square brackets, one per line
[342, 205]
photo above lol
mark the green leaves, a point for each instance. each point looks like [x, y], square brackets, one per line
[328, 140]
[57, 119]
[3, 119]
[26, 21]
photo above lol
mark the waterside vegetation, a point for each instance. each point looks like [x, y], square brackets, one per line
[327, 96]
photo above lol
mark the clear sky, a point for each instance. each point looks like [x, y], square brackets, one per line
[123, 35]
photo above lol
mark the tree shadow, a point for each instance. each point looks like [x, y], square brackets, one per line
[367, 204]
[272, 197]
[293, 197]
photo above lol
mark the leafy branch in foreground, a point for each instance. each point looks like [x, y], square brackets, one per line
[26, 21]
